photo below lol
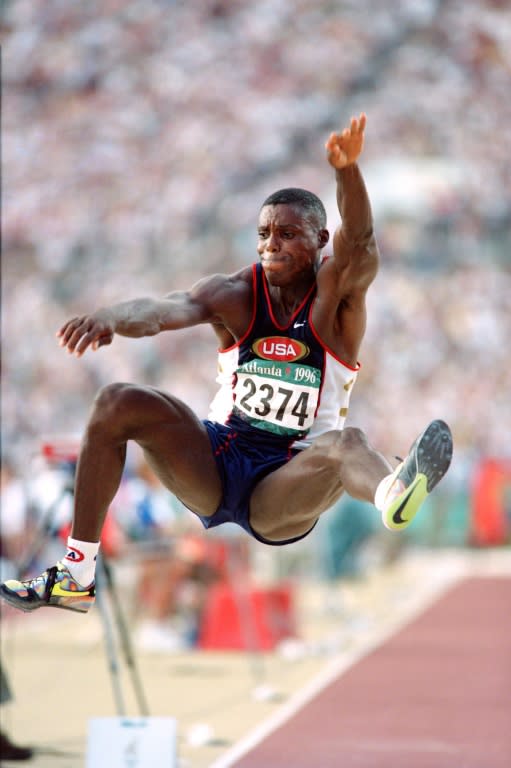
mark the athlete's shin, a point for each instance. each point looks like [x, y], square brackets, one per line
[98, 476]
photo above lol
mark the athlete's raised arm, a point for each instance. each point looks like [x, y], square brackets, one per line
[354, 244]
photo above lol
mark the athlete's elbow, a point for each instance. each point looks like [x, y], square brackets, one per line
[367, 240]
[368, 263]
[358, 239]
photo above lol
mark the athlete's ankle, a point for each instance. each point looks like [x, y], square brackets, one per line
[80, 560]
[388, 488]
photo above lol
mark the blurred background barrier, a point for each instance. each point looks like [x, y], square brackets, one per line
[247, 618]
[491, 503]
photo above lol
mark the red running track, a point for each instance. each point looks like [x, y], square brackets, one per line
[436, 695]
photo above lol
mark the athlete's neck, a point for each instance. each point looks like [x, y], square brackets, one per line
[285, 299]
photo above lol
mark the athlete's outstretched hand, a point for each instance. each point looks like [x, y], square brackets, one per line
[343, 149]
[93, 331]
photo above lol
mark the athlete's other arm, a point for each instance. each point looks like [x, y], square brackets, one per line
[355, 250]
[208, 301]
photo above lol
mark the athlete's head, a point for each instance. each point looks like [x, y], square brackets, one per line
[310, 203]
[291, 233]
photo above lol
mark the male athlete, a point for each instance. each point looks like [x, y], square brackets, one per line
[273, 455]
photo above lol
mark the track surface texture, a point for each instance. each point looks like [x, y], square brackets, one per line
[436, 695]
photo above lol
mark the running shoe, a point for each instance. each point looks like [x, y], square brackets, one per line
[55, 588]
[416, 476]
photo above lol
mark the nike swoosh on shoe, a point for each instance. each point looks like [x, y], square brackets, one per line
[397, 517]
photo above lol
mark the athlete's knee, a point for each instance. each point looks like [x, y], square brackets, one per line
[352, 438]
[336, 442]
[109, 397]
[112, 405]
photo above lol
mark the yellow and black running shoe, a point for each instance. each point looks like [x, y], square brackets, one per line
[414, 479]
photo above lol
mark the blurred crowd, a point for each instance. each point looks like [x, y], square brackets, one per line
[139, 139]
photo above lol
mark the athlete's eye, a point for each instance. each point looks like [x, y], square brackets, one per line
[262, 234]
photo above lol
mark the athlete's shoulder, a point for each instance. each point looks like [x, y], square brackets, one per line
[230, 300]
[224, 294]
[325, 272]
[234, 285]
[223, 283]
[243, 275]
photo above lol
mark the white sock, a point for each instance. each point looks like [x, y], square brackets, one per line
[80, 560]
[384, 494]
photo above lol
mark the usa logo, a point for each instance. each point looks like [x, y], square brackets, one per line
[280, 348]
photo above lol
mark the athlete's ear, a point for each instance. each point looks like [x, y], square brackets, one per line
[323, 237]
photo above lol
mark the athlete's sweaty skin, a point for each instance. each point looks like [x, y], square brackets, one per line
[287, 502]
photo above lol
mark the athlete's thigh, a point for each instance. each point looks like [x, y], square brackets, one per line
[177, 447]
[287, 502]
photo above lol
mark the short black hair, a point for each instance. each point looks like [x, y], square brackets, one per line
[302, 197]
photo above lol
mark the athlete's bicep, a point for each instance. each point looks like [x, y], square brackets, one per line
[356, 263]
[210, 300]
[199, 304]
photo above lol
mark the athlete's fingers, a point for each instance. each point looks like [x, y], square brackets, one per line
[67, 330]
[331, 141]
[89, 339]
[362, 122]
[337, 157]
[96, 337]
[84, 331]
[74, 332]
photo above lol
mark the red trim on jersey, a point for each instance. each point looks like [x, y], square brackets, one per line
[295, 313]
[326, 347]
[252, 320]
[320, 393]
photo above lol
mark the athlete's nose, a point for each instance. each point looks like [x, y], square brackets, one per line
[273, 243]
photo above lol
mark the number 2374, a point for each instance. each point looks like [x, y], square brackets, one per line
[264, 399]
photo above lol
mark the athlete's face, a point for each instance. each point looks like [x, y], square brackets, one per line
[289, 241]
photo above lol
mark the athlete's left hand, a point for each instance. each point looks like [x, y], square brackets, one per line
[343, 149]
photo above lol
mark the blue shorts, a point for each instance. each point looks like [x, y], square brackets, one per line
[242, 460]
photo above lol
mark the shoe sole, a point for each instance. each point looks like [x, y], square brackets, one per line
[433, 454]
[21, 605]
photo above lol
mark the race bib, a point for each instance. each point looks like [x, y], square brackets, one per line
[280, 397]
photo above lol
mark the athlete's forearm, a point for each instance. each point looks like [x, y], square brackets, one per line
[147, 316]
[354, 205]
[135, 318]
[355, 248]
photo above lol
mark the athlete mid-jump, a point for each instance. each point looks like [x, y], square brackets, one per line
[274, 453]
